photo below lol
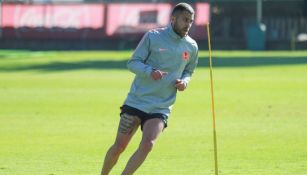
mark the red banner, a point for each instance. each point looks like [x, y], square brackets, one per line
[86, 21]
[53, 21]
[202, 17]
[136, 18]
[202, 13]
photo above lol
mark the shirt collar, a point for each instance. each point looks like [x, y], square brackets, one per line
[173, 34]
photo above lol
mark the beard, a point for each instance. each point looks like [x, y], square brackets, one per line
[180, 31]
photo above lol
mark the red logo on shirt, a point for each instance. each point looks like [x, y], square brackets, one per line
[185, 56]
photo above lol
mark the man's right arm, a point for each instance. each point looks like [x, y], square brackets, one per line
[137, 63]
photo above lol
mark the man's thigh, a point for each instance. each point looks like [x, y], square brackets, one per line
[152, 129]
[128, 125]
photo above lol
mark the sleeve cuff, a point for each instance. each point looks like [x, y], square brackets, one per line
[148, 71]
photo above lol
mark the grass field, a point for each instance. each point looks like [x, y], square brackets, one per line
[59, 114]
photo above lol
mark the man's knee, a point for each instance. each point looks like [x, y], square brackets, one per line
[147, 145]
[119, 147]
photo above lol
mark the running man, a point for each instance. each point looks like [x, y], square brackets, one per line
[163, 64]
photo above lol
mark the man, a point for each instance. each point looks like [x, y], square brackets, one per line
[163, 63]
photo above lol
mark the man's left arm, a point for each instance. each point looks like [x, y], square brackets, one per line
[189, 70]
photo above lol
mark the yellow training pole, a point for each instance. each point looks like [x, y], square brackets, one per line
[212, 101]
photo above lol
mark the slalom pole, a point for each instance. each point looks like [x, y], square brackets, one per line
[212, 102]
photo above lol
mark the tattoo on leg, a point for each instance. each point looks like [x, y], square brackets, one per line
[127, 124]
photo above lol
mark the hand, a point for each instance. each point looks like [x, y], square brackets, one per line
[180, 85]
[158, 74]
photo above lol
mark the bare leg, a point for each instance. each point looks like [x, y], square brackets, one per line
[127, 126]
[151, 130]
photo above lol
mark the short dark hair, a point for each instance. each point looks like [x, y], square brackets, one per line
[179, 8]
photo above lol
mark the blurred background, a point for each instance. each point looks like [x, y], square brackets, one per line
[63, 77]
[119, 25]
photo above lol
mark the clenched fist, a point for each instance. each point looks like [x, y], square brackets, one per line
[180, 85]
[158, 74]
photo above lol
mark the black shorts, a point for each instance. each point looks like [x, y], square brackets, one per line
[143, 116]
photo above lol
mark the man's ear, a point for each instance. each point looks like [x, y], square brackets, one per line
[173, 18]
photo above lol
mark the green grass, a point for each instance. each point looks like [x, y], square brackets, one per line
[59, 114]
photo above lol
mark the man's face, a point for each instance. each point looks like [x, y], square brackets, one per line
[182, 23]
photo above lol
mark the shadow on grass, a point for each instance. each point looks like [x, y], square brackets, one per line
[203, 62]
[70, 66]
[254, 61]
[3, 56]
